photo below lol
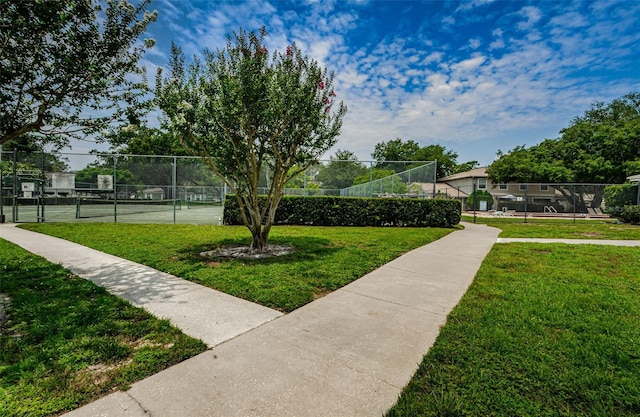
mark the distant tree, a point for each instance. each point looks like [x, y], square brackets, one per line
[341, 170]
[389, 153]
[245, 111]
[446, 160]
[600, 147]
[67, 66]
[30, 152]
[305, 179]
[142, 140]
[144, 155]
[88, 177]
[464, 167]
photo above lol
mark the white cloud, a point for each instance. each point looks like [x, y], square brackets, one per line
[516, 80]
[531, 14]
[468, 5]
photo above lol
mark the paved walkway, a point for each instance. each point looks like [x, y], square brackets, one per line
[573, 241]
[198, 311]
[347, 354]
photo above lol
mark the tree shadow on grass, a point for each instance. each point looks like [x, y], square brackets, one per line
[303, 248]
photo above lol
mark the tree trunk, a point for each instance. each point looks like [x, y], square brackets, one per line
[259, 241]
[598, 195]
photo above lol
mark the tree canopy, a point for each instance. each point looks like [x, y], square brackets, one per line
[602, 146]
[246, 111]
[341, 170]
[68, 67]
[388, 154]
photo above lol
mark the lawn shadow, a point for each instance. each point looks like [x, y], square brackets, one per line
[304, 248]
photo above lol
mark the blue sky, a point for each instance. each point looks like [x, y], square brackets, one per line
[474, 76]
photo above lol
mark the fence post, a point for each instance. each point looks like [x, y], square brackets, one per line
[435, 178]
[15, 187]
[174, 188]
[370, 179]
[40, 200]
[526, 198]
[115, 188]
[473, 200]
[573, 194]
[1, 190]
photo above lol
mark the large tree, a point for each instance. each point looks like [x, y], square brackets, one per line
[70, 68]
[246, 111]
[393, 154]
[600, 147]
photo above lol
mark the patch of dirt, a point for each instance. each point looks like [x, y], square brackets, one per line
[246, 252]
[142, 343]
[590, 234]
[541, 251]
[101, 374]
[321, 294]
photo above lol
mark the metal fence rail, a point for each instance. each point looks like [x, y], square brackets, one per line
[60, 187]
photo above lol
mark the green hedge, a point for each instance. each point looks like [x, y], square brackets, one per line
[618, 196]
[345, 211]
[630, 214]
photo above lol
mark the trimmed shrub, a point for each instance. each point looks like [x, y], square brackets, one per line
[474, 199]
[616, 197]
[630, 214]
[348, 211]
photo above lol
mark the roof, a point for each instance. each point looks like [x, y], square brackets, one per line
[634, 178]
[441, 188]
[474, 173]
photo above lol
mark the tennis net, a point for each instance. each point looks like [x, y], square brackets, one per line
[87, 208]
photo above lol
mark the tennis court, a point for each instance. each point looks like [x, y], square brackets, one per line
[125, 211]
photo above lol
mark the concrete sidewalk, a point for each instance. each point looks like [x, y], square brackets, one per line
[572, 241]
[198, 311]
[347, 354]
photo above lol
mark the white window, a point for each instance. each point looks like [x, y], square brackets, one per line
[544, 187]
[482, 183]
[503, 186]
[523, 186]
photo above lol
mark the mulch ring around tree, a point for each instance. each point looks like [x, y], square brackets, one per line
[246, 252]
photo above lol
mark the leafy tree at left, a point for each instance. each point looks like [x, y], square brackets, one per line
[70, 68]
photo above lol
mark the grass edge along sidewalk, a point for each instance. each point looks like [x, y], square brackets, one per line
[600, 229]
[44, 372]
[543, 330]
[66, 341]
[324, 258]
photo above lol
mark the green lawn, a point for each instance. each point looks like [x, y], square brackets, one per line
[544, 330]
[325, 258]
[562, 229]
[67, 341]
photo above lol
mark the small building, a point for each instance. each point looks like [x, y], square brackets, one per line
[634, 179]
[153, 194]
[506, 196]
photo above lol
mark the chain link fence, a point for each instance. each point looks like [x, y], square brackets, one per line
[68, 187]
[523, 201]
